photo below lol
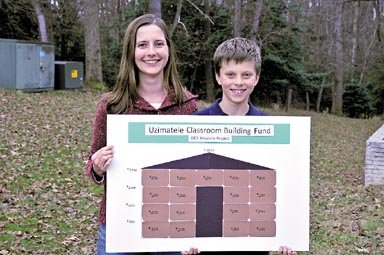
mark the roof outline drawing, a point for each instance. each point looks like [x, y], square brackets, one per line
[208, 161]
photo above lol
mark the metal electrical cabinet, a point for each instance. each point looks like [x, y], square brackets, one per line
[69, 75]
[26, 65]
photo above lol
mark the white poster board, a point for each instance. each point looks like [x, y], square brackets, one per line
[142, 142]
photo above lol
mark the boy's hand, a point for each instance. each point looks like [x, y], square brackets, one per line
[191, 251]
[286, 250]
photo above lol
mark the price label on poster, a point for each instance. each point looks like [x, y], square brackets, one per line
[212, 182]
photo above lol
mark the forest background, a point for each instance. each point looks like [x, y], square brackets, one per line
[322, 55]
[318, 55]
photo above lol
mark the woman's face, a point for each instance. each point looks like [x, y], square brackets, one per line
[151, 51]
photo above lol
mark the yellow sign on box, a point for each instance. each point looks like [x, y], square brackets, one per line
[74, 74]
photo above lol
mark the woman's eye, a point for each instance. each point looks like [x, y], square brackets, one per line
[141, 45]
[159, 44]
[230, 75]
[247, 75]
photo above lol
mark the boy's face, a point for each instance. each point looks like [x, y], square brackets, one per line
[237, 80]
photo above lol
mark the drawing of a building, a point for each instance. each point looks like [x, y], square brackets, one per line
[208, 195]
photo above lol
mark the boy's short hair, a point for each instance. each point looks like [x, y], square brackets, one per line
[238, 49]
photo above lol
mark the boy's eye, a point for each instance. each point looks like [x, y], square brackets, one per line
[247, 75]
[230, 75]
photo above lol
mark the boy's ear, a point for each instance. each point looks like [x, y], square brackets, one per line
[257, 80]
[217, 76]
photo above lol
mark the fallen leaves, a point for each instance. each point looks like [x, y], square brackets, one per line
[45, 195]
[339, 200]
[49, 206]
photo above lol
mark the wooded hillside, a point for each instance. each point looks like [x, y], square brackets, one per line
[313, 51]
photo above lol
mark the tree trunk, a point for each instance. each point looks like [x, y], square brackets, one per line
[307, 103]
[207, 57]
[93, 69]
[256, 19]
[288, 100]
[379, 17]
[119, 10]
[319, 96]
[176, 20]
[366, 57]
[41, 20]
[237, 19]
[338, 87]
[155, 7]
[371, 41]
[355, 35]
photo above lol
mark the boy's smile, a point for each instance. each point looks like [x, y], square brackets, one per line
[237, 80]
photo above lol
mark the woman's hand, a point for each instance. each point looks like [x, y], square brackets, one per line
[102, 159]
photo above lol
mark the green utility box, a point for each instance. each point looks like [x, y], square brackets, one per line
[26, 65]
[69, 75]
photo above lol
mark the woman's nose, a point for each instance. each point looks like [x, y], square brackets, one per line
[151, 50]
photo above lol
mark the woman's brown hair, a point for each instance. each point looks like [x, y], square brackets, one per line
[125, 93]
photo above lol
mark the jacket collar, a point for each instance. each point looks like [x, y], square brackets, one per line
[216, 109]
[169, 100]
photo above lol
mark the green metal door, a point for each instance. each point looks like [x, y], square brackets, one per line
[46, 66]
[27, 66]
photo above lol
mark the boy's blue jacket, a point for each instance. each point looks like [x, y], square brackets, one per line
[215, 109]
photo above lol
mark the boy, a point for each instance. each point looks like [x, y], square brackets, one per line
[237, 65]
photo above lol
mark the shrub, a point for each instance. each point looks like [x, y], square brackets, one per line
[356, 101]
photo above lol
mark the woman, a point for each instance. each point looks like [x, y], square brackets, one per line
[147, 83]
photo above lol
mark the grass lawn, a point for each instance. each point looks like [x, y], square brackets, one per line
[49, 206]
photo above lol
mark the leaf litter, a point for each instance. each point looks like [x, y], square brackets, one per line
[49, 206]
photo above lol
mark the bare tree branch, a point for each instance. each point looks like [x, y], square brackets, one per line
[205, 15]
[177, 19]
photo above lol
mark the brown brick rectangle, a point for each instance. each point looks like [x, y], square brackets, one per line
[155, 229]
[155, 195]
[158, 177]
[182, 177]
[182, 211]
